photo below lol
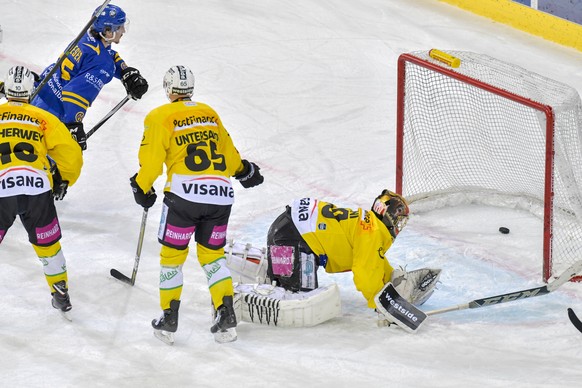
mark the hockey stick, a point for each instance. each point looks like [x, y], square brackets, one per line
[563, 278]
[67, 51]
[108, 115]
[575, 320]
[118, 275]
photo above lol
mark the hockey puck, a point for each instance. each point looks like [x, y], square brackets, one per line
[504, 230]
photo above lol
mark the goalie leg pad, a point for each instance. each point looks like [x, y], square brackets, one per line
[271, 305]
[247, 264]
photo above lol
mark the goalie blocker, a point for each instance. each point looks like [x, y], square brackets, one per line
[398, 310]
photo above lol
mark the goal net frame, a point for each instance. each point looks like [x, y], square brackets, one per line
[427, 65]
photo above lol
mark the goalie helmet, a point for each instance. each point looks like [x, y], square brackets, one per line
[110, 19]
[19, 83]
[179, 80]
[392, 209]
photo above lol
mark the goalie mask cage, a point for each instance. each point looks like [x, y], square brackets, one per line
[492, 133]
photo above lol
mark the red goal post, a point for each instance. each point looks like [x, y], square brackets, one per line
[490, 132]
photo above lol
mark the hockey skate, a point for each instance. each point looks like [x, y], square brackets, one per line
[167, 324]
[224, 327]
[61, 300]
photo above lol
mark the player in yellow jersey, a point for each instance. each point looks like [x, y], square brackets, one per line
[279, 285]
[29, 136]
[312, 234]
[200, 158]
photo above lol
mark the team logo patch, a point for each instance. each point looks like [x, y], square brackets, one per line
[282, 260]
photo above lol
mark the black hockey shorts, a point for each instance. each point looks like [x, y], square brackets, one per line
[38, 215]
[290, 261]
[181, 219]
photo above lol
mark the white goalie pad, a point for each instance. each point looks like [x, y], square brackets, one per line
[270, 305]
[246, 263]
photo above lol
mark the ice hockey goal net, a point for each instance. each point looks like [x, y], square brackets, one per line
[490, 131]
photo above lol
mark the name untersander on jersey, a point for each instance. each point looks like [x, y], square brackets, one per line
[23, 180]
[195, 137]
[211, 189]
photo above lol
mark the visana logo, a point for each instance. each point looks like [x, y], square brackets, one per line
[206, 189]
[303, 209]
[166, 276]
[211, 269]
[22, 181]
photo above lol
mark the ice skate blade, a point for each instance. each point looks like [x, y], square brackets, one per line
[66, 315]
[225, 336]
[164, 336]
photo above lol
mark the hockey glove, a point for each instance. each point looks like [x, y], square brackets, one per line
[60, 190]
[78, 134]
[250, 175]
[135, 85]
[2, 89]
[59, 185]
[146, 200]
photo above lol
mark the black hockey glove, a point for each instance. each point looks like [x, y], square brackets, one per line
[146, 200]
[250, 175]
[78, 134]
[60, 190]
[2, 89]
[59, 185]
[135, 85]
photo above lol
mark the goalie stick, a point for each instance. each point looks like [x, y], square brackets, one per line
[563, 278]
[575, 320]
[118, 275]
[67, 51]
[108, 115]
[401, 314]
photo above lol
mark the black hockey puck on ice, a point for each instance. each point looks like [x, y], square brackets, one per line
[504, 230]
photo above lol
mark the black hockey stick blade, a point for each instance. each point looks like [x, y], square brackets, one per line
[575, 320]
[119, 276]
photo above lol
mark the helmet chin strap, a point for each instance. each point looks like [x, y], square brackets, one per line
[106, 39]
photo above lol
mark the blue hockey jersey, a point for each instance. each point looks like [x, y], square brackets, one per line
[72, 88]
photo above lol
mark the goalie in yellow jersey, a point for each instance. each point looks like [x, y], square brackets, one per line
[310, 234]
[200, 157]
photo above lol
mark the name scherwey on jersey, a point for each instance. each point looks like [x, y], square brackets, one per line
[198, 152]
[27, 136]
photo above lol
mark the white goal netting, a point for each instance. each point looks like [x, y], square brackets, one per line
[492, 132]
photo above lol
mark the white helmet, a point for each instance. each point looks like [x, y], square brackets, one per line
[19, 83]
[179, 80]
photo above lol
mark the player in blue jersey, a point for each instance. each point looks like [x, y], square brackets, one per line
[90, 65]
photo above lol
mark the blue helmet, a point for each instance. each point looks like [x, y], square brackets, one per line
[111, 18]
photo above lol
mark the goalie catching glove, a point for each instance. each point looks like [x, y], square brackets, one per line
[146, 200]
[250, 175]
[135, 85]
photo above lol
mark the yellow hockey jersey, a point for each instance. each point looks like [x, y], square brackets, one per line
[346, 240]
[27, 135]
[198, 152]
